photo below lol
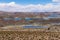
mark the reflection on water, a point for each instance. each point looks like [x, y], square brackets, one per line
[30, 26]
[16, 19]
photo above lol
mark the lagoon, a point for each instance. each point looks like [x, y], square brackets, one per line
[31, 26]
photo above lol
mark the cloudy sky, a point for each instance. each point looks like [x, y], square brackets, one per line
[30, 5]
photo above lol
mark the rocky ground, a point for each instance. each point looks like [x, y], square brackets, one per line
[51, 33]
[29, 35]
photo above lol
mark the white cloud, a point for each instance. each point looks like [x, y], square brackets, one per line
[56, 0]
[12, 6]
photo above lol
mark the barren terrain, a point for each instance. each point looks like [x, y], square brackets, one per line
[29, 35]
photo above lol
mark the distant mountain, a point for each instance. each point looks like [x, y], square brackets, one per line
[28, 14]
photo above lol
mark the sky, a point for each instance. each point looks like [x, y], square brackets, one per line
[28, 1]
[30, 5]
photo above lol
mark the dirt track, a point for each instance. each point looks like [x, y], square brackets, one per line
[29, 35]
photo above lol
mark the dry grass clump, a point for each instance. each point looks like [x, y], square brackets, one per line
[29, 35]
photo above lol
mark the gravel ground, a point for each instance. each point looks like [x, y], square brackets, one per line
[29, 35]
